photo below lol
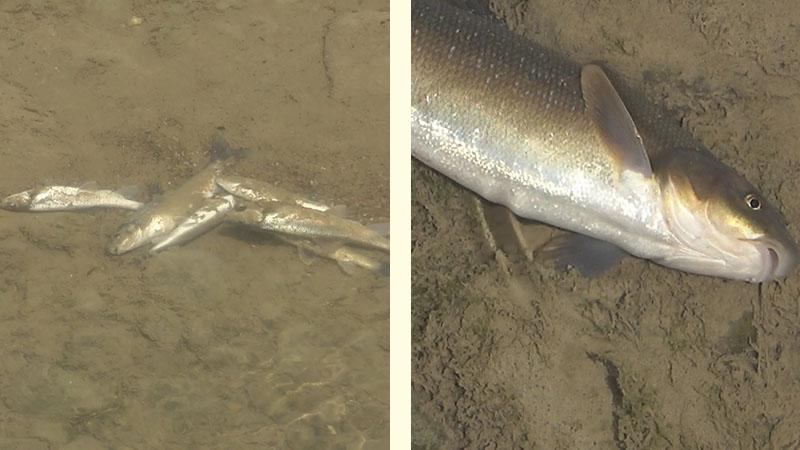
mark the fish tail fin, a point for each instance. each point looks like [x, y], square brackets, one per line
[220, 150]
[131, 192]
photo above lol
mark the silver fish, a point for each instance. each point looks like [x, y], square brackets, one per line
[347, 258]
[159, 218]
[66, 198]
[263, 193]
[557, 142]
[204, 219]
[303, 222]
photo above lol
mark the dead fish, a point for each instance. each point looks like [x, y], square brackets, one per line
[159, 218]
[67, 198]
[204, 219]
[347, 258]
[302, 222]
[263, 193]
[557, 142]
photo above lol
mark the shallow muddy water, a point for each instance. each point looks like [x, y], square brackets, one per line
[643, 357]
[231, 341]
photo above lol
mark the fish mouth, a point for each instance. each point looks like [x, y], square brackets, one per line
[777, 260]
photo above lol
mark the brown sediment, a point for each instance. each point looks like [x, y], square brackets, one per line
[227, 342]
[644, 357]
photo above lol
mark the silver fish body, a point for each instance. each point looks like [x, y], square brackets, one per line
[529, 129]
[302, 222]
[202, 220]
[66, 198]
[261, 192]
[347, 258]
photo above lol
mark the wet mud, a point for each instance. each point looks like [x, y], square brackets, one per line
[231, 341]
[510, 353]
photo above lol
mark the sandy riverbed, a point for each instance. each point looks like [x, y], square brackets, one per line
[644, 357]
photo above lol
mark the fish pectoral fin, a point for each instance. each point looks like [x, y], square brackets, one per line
[612, 121]
[590, 256]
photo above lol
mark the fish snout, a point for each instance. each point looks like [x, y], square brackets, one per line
[17, 202]
[779, 259]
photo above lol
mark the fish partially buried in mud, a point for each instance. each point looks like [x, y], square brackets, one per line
[157, 219]
[67, 198]
[302, 222]
[556, 142]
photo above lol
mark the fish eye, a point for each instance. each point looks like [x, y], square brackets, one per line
[753, 202]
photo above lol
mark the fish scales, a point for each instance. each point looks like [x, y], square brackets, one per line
[506, 119]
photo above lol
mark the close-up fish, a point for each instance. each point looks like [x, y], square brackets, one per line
[297, 221]
[67, 198]
[160, 217]
[204, 219]
[258, 191]
[558, 142]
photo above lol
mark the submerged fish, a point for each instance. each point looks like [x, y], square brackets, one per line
[204, 219]
[261, 192]
[159, 218]
[557, 142]
[67, 198]
[347, 258]
[307, 223]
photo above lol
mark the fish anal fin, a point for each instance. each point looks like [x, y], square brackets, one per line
[592, 257]
[612, 121]
[306, 255]
[348, 267]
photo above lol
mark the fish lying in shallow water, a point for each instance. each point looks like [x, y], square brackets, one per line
[306, 223]
[347, 258]
[559, 143]
[67, 198]
[199, 222]
[263, 193]
[156, 220]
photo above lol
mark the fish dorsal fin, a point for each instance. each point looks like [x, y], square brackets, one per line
[612, 121]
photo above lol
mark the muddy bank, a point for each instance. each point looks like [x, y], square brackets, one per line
[231, 341]
[644, 357]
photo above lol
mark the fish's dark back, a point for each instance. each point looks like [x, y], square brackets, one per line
[486, 66]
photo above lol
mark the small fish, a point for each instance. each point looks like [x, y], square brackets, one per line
[557, 142]
[204, 219]
[67, 198]
[262, 192]
[347, 258]
[302, 222]
[158, 219]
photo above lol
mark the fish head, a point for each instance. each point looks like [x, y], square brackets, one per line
[18, 202]
[127, 237]
[726, 226]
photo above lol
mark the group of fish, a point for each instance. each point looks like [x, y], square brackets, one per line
[213, 196]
